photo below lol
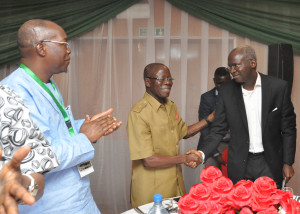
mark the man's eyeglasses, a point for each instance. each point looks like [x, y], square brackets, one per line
[62, 43]
[233, 67]
[161, 79]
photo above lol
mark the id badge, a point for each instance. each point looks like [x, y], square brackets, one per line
[85, 168]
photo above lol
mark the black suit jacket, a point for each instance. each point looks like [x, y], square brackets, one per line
[278, 127]
[207, 106]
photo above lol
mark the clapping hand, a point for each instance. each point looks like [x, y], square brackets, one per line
[11, 186]
[99, 125]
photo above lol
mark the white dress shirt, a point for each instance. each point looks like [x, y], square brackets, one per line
[252, 100]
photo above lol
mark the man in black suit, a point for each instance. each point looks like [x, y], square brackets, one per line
[207, 106]
[260, 115]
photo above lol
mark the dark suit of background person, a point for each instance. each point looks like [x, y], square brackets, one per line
[208, 105]
[278, 122]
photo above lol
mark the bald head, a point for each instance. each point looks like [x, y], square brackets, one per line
[152, 68]
[247, 51]
[34, 31]
[44, 48]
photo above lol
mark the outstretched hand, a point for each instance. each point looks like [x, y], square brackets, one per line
[193, 158]
[198, 157]
[11, 184]
[99, 125]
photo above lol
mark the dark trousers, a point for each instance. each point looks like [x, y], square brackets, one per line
[257, 166]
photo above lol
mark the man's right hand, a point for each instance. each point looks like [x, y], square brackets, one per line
[194, 158]
[99, 125]
[198, 155]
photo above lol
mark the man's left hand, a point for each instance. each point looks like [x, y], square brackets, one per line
[288, 172]
[11, 184]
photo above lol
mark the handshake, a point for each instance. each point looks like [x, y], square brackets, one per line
[193, 158]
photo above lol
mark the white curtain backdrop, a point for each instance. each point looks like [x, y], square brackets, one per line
[106, 70]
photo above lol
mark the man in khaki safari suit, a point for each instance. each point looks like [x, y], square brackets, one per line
[154, 129]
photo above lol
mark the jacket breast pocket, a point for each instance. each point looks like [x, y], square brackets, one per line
[274, 117]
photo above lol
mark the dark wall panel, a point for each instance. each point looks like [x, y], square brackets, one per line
[281, 62]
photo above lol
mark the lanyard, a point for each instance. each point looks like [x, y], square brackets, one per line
[61, 108]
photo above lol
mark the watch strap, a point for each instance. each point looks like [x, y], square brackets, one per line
[33, 186]
[207, 120]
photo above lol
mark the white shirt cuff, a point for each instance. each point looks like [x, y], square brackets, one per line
[203, 156]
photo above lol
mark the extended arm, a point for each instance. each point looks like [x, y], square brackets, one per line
[13, 185]
[197, 127]
[164, 161]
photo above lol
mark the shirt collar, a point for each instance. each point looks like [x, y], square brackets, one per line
[257, 84]
[216, 92]
[154, 103]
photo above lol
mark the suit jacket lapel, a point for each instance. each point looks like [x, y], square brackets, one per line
[265, 96]
[241, 104]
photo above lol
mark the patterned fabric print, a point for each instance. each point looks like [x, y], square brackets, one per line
[17, 130]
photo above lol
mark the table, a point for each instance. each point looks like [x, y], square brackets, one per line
[168, 203]
[145, 208]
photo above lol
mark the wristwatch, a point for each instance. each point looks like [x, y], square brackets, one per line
[207, 120]
[33, 187]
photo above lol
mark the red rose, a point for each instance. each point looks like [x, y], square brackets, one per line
[215, 197]
[270, 210]
[216, 208]
[262, 203]
[203, 208]
[290, 206]
[231, 211]
[227, 207]
[295, 206]
[265, 186]
[209, 174]
[247, 183]
[240, 196]
[187, 204]
[246, 210]
[200, 192]
[222, 185]
[264, 194]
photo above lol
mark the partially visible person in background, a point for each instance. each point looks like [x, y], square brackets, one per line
[25, 154]
[207, 106]
[154, 130]
[16, 188]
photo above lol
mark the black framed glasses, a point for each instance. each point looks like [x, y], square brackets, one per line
[161, 79]
[62, 43]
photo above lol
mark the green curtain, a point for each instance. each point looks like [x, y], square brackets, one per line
[265, 21]
[75, 16]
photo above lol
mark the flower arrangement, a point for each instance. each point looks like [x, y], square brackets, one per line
[217, 195]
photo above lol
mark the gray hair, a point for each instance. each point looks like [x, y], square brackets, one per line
[247, 51]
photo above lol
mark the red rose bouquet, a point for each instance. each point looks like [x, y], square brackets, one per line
[217, 195]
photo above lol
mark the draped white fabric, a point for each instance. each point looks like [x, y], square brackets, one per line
[106, 70]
